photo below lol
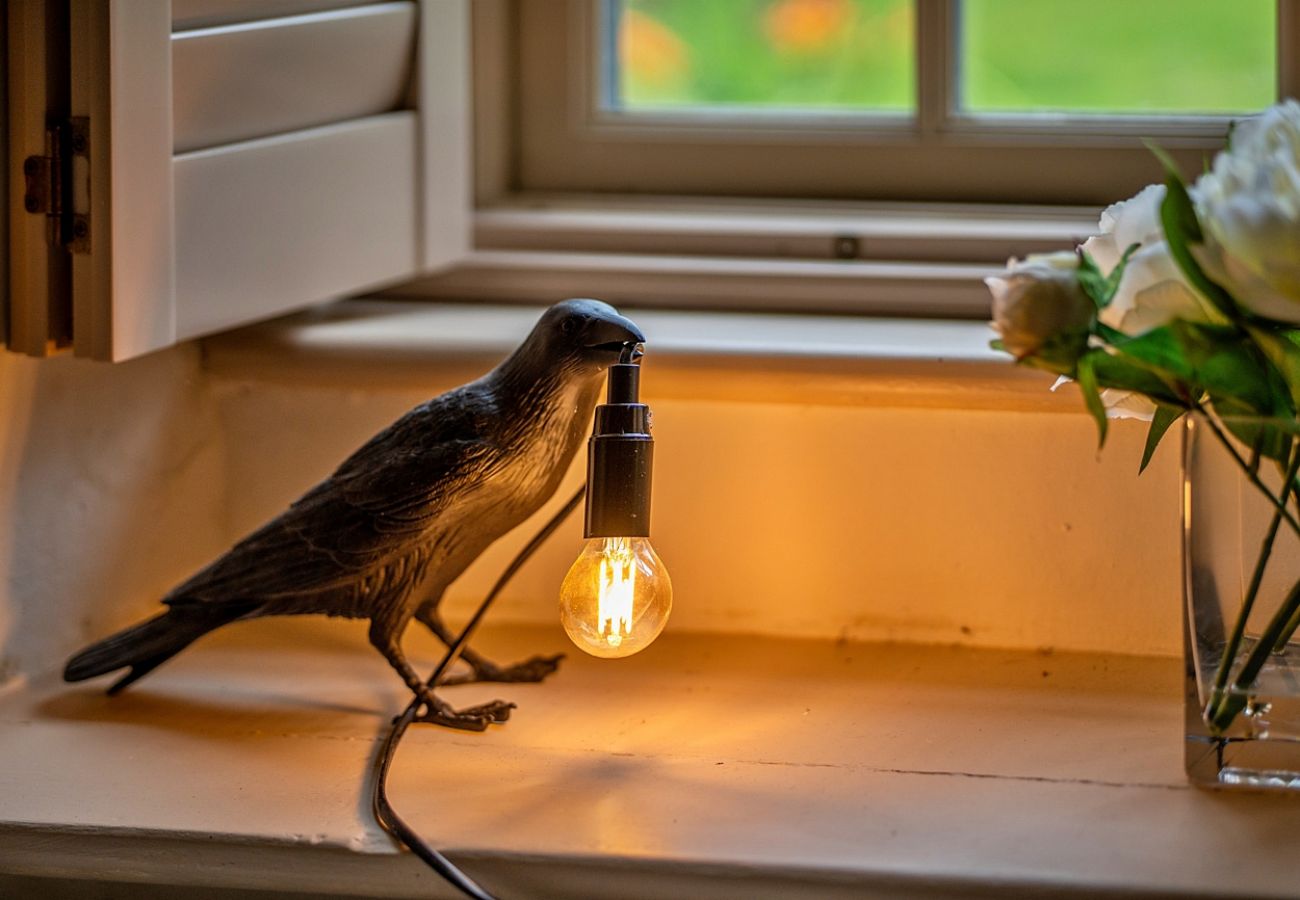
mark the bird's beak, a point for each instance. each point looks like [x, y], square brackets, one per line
[611, 332]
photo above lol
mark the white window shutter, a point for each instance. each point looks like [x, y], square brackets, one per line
[123, 280]
[249, 159]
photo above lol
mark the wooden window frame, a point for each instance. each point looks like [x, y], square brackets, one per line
[561, 140]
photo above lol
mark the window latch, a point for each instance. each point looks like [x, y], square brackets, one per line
[57, 185]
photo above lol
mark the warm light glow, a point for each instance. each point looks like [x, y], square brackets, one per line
[616, 598]
[614, 593]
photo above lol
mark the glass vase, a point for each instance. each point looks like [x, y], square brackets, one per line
[1255, 741]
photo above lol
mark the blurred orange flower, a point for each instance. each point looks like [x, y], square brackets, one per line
[805, 26]
[652, 52]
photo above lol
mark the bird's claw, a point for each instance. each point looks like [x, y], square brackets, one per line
[455, 720]
[497, 711]
[474, 718]
[531, 670]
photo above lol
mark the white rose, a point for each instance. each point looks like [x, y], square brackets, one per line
[1038, 299]
[1123, 224]
[1249, 207]
[1152, 291]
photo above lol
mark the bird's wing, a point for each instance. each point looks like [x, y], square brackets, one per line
[381, 502]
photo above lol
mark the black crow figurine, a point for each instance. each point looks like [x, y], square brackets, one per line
[403, 517]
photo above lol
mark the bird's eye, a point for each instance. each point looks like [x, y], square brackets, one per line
[568, 326]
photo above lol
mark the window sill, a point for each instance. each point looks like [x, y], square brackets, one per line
[913, 259]
[707, 766]
[778, 229]
[762, 357]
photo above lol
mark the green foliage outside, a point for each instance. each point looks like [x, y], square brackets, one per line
[842, 53]
[1126, 56]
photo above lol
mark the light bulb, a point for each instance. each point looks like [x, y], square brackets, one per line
[617, 597]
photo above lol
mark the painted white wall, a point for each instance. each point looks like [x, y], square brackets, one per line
[866, 522]
[990, 528]
[110, 490]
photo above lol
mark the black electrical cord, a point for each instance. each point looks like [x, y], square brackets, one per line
[387, 817]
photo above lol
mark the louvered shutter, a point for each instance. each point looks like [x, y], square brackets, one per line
[240, 159]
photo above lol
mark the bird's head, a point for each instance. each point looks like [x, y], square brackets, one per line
[587, 335]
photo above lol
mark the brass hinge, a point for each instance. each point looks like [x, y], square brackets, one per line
[58, 184]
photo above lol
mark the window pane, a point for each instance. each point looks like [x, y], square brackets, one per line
[1121, 57]
[760, 54]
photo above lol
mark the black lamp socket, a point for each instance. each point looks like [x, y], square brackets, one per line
[620, 457]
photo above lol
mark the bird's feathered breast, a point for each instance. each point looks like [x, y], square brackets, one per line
[430, 491]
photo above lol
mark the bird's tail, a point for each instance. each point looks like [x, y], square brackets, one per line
[143, 647]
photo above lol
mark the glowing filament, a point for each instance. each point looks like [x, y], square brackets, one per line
[617, 586]
[616, 597]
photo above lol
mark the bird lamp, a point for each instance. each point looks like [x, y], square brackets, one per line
[617, 596]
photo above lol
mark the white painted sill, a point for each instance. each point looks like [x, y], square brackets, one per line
[704, 767]
[725, 356]
[749, 228]
[743, 254]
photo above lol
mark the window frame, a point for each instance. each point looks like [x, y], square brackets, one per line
[940, 156]
[703, 243]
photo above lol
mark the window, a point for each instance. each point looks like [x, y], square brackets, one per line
[846, 56]
[1028, 101]
[1116, 58]
[858, 57]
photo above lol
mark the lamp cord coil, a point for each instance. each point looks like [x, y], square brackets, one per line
[383, 809]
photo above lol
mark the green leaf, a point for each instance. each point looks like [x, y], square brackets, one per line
[1249, 393]
[1164, 417]
[1092, 394]
[1182, 231]
[1101, 288]
[1283, 352]
[1284, 426]
[1112, 336]
[1117, 273]
[1092, 281]
[1228, 366]
[1266, 435]
[1159, 350]
[1060, 352]
[1048, 365]
[997, 344]
[1166, 161]
[1183, 361]
[1114, 370]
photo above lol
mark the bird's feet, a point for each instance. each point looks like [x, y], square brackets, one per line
[533, 669]
[437, 711]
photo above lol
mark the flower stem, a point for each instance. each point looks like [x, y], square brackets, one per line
[1289, 629]
[1234, 701]
[1251, 476]
[1225, 703]
[1252, 591]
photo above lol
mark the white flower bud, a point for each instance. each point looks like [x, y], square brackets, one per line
[1039, 299]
